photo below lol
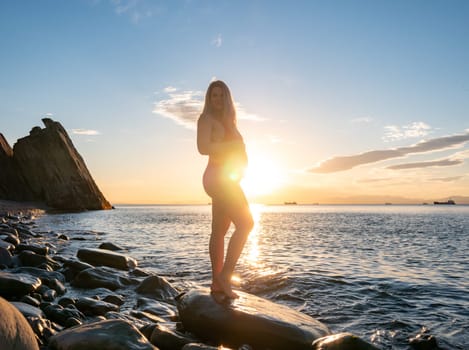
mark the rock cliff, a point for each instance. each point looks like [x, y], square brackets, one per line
[46, 167]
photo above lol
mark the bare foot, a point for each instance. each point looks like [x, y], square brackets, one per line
[225, 287]
[216, 287]
[219, 297]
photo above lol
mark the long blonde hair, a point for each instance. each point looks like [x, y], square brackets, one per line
[229, 111]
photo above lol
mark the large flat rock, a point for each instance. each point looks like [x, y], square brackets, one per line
[248, 320]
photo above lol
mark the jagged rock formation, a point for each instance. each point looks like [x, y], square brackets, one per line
[12, 184]
[46, 167]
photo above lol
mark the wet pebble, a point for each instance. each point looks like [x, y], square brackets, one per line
[166, 338]
[424, 341]
[110, 246]
[103, 335]
[10, 238]
[97, 277]
[94, 307]
[17, 284]
[342, 341]
[102, 257]
[60, 315]
[158, 308]
[5, 257]
[36, 248]
[29, 258]
[158, 288]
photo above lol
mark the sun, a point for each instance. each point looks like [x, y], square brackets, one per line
[263, 176]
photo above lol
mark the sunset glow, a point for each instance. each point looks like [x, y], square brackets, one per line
[263, 176]
[337, 102]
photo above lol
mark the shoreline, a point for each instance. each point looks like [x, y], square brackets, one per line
[8, 207]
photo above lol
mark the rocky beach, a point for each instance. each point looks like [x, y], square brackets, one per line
[98, 298]
[79, 289]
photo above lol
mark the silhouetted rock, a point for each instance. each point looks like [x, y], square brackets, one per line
[29, 258]
[61, 315]
[166, 338]
[46, 167]
[110, 246]
[73, 267]
[7, 246]
[200, 346]
[28, 310]
[27, 299]
[102, 257]
[103, 335]
[47, 294]
[5, 257]
[11, 238]
[17, 285]
[157, 308]
[36, 248]
[97, 277]
[114, 299]
[158, 288]
[146, 316]
[424, 341]
[92, 307]
[248, 320]
[12, 183]
[43, 327]
[46, 277]
[342, 341]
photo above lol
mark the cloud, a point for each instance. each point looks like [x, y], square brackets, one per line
[375, 180]
[412, 130]
[123, 6]
[85, 132]
[217, 41]
[135, 9]
[184, 107]
[169, 89]
[435, 163]
[342, 163]
[242, 114]
[447, 179]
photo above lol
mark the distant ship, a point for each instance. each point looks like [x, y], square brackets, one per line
[290, 203]
[449, 201]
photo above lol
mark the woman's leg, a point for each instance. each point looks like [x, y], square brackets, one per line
[220, 225]
[237, 210]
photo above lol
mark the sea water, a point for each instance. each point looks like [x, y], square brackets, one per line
[384, 273]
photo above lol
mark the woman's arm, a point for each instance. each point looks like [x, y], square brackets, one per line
[205, 144]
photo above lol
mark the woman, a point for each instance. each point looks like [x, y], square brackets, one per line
[219, 138]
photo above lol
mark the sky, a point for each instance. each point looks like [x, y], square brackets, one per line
[337, 101]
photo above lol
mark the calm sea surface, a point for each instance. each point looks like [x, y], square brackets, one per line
[385, 273]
